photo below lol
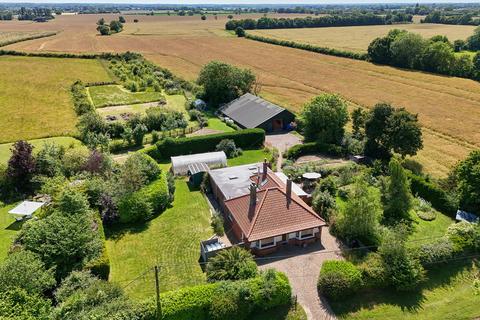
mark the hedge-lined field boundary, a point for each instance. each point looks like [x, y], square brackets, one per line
[38, 36]
[105, 55]
[309, 47]
[165, 148]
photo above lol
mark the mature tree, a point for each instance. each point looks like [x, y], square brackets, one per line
[21, 165]
[122, 19]
[72, 202]
[358, 122]
[116, 26]
[459, 45]
[231, 264]
[204, 17]
[101, 22]
[18, 304]
[463, 66]
[104, 30]
[404, 133]
[66, 242]
[406, 49]
[474, 40]
[388, 129]
[223, 82]
[403, 270]
[108, 209]
[360, 220]
[24, 269]
[438, 57]
[379, 49]
[467, 174]
[398, 198]
[240, 32]
[324, 118]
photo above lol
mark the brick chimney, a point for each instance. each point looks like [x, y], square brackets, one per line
[265, 168]
[253, 201]
[289, 192]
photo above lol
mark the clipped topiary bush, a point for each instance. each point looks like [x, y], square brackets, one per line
[339, 279]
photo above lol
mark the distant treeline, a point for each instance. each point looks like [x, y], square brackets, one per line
[35, 14]
[443, 18]
[6, 15]
[323, 21]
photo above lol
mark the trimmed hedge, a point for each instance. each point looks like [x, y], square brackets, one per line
[310, 47]
[265, 292]
[433, 194]
[105, 55]
[144, 203]
[100, 267]
[299, 150]
[339, 279]
[168, 147]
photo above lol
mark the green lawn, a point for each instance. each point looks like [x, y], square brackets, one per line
[250, 156]
[448, 294]
[8, 230]
[109, 95]
[171, 241]
[215, 123]
[35, 99]
[429, 229]
[37, 144]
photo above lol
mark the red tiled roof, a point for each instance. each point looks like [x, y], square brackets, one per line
[272, 216]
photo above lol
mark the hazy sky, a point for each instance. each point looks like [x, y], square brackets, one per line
[241, 1]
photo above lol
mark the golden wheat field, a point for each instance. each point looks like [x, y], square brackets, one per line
[448, 107]
[358, 38]
[7, 37]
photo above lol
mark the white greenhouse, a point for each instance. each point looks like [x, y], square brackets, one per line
[212, 159]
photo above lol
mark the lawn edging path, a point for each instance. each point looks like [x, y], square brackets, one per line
[170, 241]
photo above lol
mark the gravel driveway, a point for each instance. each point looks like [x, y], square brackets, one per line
[282, 142]
[302, 266]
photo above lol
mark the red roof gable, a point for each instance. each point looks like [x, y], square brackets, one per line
[272, 215]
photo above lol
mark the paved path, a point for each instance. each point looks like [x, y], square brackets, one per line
[302, 266]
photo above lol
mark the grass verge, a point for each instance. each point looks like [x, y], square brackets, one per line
[9, 228]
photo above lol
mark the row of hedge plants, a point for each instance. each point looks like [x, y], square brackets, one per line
[100, 267]
[223, 300]
[299, 150]
[309, 47]
[81, 102]
[245, 139]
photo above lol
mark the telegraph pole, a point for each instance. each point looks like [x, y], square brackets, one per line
[157, 287]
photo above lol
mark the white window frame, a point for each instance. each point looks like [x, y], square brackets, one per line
[310, 235]
[261, 246]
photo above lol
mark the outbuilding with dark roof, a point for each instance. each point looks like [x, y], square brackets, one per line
[250, 111]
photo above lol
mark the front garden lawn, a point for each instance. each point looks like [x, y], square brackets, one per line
[250, 156]
[8, 230]
[171, 241]
[66, 142]
[109, 95]
[448, 294]
[215, 123]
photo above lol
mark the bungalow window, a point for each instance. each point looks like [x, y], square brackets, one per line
[267, 243]
[305, 234]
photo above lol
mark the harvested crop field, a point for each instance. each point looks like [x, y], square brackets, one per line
[35, 99]
[447, 106]
[358, 38]
[9, 37]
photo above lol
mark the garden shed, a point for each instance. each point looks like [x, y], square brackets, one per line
[196, 171]
[211, 159]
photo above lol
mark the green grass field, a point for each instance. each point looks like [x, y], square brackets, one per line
[66, 142]
[35, 100]
[8, 230]
[170, 241]
[424, 230]
[215, 123]
[448, 294]
[114, 95]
